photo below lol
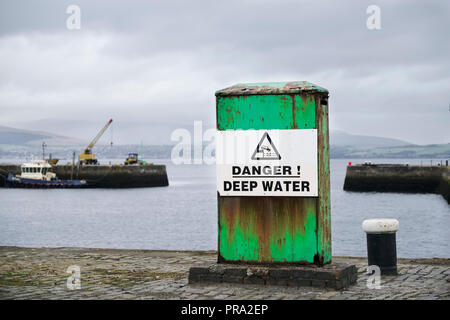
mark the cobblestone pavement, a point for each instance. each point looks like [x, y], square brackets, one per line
[27, 273]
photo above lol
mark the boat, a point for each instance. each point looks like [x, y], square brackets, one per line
[38, 174]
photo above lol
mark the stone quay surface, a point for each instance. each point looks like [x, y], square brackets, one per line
[41, 273]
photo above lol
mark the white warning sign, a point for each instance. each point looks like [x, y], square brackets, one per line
[267, 163]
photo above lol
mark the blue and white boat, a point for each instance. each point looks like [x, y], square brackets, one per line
[38, 174]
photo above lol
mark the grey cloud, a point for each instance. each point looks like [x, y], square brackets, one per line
[162, 60]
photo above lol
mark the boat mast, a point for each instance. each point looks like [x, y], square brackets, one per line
[43, 150]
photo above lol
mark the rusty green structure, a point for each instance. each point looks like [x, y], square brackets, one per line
[270, 230]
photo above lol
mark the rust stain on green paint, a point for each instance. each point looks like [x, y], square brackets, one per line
[263, 229]
[298, 245]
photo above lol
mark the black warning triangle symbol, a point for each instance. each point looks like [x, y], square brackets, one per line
[266, 150]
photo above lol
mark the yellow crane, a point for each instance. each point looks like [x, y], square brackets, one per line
[87, 157]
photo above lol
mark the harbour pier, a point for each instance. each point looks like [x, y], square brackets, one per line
[398, 178]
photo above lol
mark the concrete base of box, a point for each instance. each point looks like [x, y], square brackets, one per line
[334, 275]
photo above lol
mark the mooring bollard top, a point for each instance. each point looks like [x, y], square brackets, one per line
[380, 225]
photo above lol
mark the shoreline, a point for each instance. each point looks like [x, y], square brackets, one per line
[433, 260]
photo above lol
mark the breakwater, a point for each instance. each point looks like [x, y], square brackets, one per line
[106, 176]
[398, 178]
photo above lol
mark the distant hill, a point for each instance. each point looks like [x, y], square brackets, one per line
[432, 151]
[14, 136]
[343, 139]
[18, 143]
[344, 145]
[20, 137]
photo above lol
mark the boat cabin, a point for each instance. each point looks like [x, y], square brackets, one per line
[40, 170]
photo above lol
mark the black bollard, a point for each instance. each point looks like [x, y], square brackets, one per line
[381, 244]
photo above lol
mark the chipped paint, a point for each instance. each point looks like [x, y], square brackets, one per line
[271, 88]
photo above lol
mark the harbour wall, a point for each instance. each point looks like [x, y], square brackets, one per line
[106, 176]
[398, 178]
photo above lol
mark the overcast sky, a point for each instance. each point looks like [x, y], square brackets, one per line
[154, 65]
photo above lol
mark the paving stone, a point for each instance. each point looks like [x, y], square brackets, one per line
[143, 274]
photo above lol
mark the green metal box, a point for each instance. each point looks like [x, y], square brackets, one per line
[276, 229]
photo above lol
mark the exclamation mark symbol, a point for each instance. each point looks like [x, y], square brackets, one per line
[298, 170]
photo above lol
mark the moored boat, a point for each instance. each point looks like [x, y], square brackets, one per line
[38, 174]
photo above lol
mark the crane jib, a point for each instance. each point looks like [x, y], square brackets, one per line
[98, 136]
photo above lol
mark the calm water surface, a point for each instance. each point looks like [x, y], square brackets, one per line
[183, 216]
